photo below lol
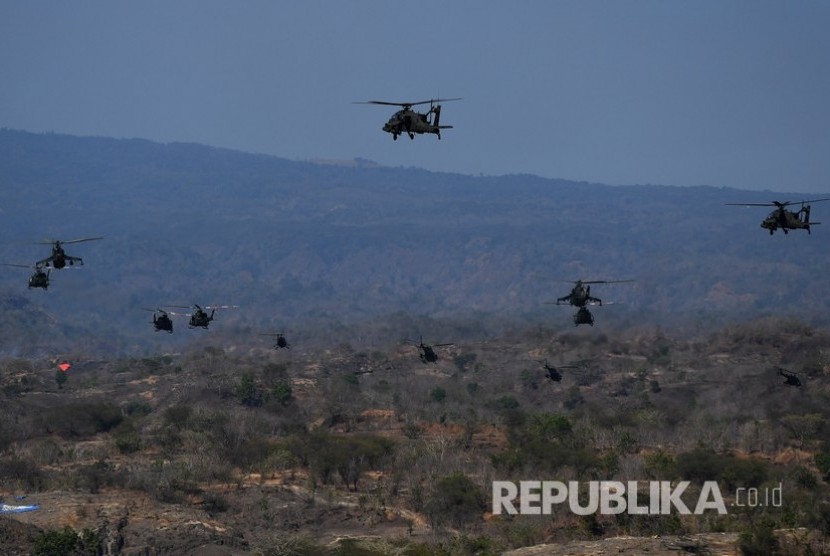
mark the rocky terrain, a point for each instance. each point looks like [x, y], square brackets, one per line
[344, 450]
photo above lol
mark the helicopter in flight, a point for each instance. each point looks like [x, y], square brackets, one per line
[790, 378]
[406, 120]
[199, 318]
[39, 279]
[785, 219]
[583, 316]
[162, 320]
[552, 373]
[427, 352]
[279, 340]
[59, 258]
[580, 295]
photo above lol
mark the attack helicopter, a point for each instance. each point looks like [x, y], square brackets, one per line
[583, 316]
[790, 378]
[162, 320]
[785, 219]
[59, 258]
[552, 373]
[427, 352]
[580, 295]
[39, 279]
[279, 340]
[199, 318]
[406, 120]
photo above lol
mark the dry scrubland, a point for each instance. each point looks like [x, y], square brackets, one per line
[350, 451]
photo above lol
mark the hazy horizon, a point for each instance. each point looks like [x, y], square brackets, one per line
[670, 93]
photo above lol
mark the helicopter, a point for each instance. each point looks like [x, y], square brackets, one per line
[790, 378]
[412, 122]
[580, 295]
[39, 279]
[200, 318]
[59, 258]
[553, 373]
[427, 352]
[162, 320]
[785, 219]
[583, 316]
[279, 340]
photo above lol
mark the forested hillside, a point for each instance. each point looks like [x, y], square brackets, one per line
[347, 443]
[300, 245]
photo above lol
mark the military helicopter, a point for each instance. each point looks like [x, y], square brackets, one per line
[200, 318]
[412, 122]
[427, 352]
[279, 340]
[59, 258]
[580, 295]
[583, 316]
[790, 378]
[39, 279]
[553, 373]
[785, 219]
[162, 320]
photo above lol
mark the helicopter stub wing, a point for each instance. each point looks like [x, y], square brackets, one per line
[44, 262]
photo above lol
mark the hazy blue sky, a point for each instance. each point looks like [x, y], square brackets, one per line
[725, 93]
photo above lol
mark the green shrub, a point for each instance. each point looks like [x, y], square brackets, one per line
[82, 419]
[455, 501]
[282, 392]
[67, 542]
[127, 438]
[759, 539]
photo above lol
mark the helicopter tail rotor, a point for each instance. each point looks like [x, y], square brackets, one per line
[805, 209]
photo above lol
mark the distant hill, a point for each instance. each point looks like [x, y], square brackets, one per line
[294, 243]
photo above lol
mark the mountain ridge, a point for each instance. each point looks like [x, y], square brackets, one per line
[293, 240]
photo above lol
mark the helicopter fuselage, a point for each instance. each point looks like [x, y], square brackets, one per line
[39, 279]
[583, 316]
[553, 374]
[200, 319]
[59, 258]
[162, 322]
[580, 296]
[429, 355]
[411, 122]
[787, 220]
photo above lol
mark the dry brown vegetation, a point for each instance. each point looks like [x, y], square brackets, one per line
[304, 451]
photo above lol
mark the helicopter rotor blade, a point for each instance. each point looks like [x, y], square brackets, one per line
[778, 204]
[436, 100]
[385, 103]
[606, 281]
[404, 104]
[750, 204]
[593, 281]
[81, 240]
[18, 265]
